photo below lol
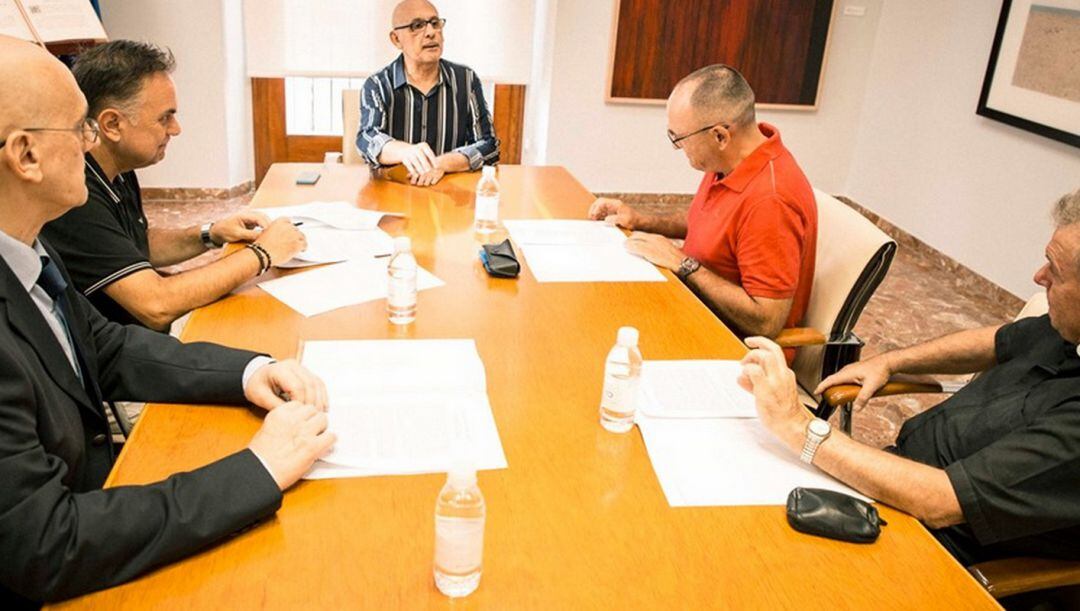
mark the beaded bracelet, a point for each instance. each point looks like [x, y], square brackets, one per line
[265, 262]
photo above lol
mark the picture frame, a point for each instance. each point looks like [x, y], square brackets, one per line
[1026, 84]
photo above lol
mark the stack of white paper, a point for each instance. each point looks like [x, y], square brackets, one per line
[335, 232]
[404, 406]
[706, 444]
[337, 286]
[579, 251]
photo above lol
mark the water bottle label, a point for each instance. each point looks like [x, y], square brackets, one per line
[619, 395]
[487, 207]
[459, 544]
[402, 293]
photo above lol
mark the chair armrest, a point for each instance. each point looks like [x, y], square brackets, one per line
[1010, 576]
[846, 393]
[800, 336]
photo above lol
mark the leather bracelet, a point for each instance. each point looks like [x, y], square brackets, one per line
[265, 262]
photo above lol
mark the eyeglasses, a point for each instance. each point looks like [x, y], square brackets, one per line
[417, 25]
[88, 129]
[675, 140]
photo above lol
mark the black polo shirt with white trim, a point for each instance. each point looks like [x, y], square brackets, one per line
[104, 240]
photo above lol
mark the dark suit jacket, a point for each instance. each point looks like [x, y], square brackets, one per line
[61, 534]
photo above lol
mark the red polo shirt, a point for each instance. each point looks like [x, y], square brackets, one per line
[757, 226]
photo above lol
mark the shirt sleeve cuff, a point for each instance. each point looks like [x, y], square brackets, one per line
[375, 146]
[253, 365]
[472, 153]
[973, 511]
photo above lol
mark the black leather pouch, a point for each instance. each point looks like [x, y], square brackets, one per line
[830, 514]
[499, 260]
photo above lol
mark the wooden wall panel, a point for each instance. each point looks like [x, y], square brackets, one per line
[272, 143]
[778, 45]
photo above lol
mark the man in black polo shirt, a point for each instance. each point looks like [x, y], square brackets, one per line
[994, 470]
[108, 248]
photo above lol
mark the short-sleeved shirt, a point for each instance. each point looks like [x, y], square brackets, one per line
[1010, 445]
[452, 116]
[757, 226]
[105, 239]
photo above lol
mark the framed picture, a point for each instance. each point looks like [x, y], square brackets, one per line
[1033, 79]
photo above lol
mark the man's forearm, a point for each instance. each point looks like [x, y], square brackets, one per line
[923, 491]
[172, 246]
[967, 351]
[668, 225]
[735, 306]
[394, 152]
[453, 162]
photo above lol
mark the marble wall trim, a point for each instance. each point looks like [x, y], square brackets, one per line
[963, 278]
[200, 194]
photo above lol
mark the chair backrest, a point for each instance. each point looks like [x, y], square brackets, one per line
[1036, 306]
[853, 256]
[350, 114]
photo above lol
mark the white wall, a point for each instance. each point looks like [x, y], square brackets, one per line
[620, 147]
[215, 148]
[976, 189]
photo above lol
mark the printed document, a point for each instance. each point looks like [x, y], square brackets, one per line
[331, 245]
[579, 251]
[336, 286]
[404, 406]
[694, 389]
[340, 215]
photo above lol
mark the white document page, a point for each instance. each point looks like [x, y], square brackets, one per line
[561, 231]
[341, 215]
[12, 22]
[579, 251]
[330, 245]
[404, 406]
[337, 286]
[694, 389]
[726, 461]
[59, 20]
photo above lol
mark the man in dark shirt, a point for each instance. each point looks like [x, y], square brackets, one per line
[423, 111]
[994, 471]
[107, 246]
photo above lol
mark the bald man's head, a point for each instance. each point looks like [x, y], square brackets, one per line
[716, 93]
[42, 115]
[407, 10]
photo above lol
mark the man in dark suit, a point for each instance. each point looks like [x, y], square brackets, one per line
[61, 534]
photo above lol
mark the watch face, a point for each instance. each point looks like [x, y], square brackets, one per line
[819, 427]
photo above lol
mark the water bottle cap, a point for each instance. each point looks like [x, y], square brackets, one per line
[402, 244]
[488, 171]
[461, 477]
[628, 337]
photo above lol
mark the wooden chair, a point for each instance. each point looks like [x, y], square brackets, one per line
[1005, 577]
[350, 113]
[853, 256]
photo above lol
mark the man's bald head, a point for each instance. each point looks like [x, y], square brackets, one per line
[407, 10]
[716, 93]
[35, 88]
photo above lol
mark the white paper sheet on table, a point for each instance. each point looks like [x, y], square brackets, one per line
[404, 406]
[331, 245]
[336, 286]
[726, 461]
[340, 215]
[694, 389]
[578, 251]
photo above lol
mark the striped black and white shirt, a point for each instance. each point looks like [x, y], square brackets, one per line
[453, 116]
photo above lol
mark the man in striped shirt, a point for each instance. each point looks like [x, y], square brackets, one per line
[422, 111]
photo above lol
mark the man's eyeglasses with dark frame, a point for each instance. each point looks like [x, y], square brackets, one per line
[88, 129]
[675, 140]
[417, 25]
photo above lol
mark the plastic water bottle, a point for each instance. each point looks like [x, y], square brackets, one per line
[459, 534]
[622, 372]
[487, 202]
[401, 293]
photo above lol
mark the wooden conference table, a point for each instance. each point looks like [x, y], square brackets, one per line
[578, 520]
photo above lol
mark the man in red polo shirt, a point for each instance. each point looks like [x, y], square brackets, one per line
[751, 230]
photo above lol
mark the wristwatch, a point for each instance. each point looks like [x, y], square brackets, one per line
[207, 241]
[817, 431]
[688, 266]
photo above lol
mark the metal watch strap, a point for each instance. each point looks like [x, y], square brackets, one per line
[688, 266]
[813, 441]
[207, 241]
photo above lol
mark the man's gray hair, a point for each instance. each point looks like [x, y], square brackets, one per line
[112, 74]
[722, 93]
[1067, 209]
